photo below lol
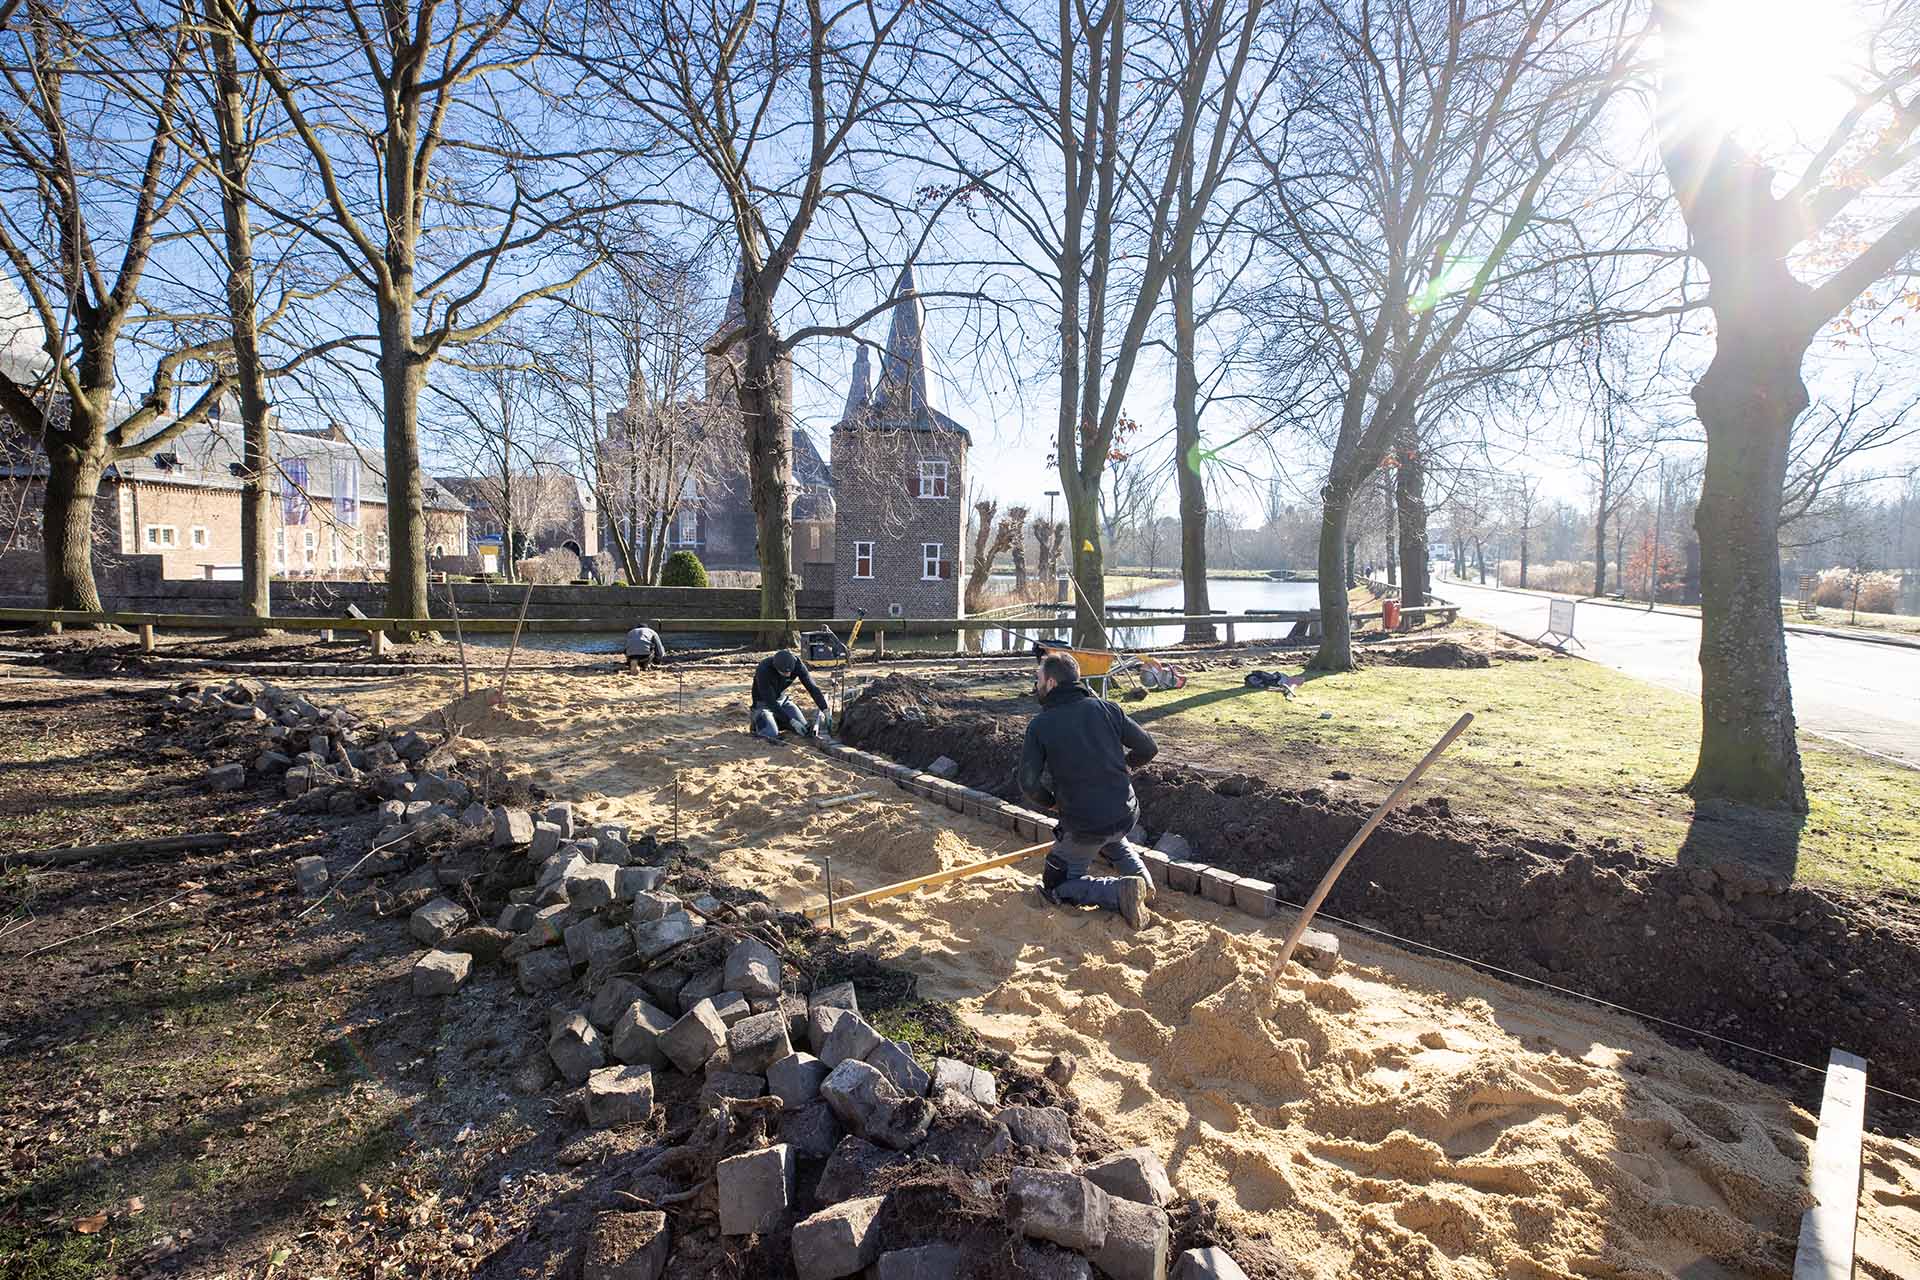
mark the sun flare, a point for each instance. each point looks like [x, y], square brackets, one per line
[1772, 73]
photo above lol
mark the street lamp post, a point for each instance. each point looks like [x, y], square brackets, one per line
[1051, 495]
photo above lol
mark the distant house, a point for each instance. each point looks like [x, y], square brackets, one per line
[553, 510]
[182, 503]
[900, 532]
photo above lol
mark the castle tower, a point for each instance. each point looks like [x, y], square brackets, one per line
[900, 483]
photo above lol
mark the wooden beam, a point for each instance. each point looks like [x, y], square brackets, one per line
[126, 849]
[929, 881]
[1359, 838]
[1827, 1229]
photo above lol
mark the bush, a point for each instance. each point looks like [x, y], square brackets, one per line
[1571, 577]
[683, 569]
[1879, 592]
[550, 568]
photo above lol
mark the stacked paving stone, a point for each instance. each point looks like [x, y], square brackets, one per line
[1170, 861]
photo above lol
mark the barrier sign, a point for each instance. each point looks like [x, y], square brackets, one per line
[1559, 624]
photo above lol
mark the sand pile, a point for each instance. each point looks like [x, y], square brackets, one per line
[1406, 1118]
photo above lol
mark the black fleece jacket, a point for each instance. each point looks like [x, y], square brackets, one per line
[1087, 745]
[770, 683]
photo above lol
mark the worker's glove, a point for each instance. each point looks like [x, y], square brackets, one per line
[822, 725]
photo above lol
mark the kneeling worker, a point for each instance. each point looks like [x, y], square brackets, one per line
[772, 711]
[1088, 745]
[644, 648]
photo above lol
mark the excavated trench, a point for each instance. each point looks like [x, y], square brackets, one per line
[1791, 969]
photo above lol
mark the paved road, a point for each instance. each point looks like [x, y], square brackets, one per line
[1864, 694]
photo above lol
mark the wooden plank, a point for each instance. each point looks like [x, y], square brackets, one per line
[830, 802]
[1827, 1229]
[126, 849]
[930, 881]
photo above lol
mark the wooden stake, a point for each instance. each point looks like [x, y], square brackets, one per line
[1359, 838]
[453, 607]
[525, 600]
[937, 878]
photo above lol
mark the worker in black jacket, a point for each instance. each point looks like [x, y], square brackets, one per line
[772, 710]
[1087, 745]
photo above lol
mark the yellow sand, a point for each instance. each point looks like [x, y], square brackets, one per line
[1407, 1118]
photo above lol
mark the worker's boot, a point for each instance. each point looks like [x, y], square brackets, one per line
[1133, 902]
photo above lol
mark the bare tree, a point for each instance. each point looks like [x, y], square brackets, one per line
[431, 189]
[1521, 502]
[771, 107]
[991, 536]
[1425, 200]
[1092, 125]
[1852, 203]
[94, 177]
[1017, 522]
[623, 370]
[1829, 438]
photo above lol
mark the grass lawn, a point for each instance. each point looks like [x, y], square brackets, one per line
[1556, 744]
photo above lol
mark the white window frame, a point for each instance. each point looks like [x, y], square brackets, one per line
[686, 527]
[380, 546]
[690, 488]
[934, 474]
[931, 555]
[280, 546]
[197, 536]
[161, 535]
[862, 551]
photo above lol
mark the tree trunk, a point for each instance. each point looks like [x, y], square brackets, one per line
[1020, 561]
[769, 442]
[402, 374]
[1336, 630]
[1600, 549]
[1089, 586]
[1393, 542]
[1480, 559]
[1352, 577]
[256, 452]
[1523, 558]
[1186, 456]
[1410, 506]
[1748, 400]
[73, 481]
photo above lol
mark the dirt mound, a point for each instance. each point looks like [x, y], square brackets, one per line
[1793, 970]
[1449, 655]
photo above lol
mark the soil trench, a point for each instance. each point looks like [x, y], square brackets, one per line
[1407, 1118]
[1792, 969]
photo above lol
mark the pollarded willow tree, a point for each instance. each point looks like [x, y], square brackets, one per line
[93, 180]
[1793, 238]
[1427, 183]
[1100, 135]
[413, 152]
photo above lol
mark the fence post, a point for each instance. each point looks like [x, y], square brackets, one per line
[1230, 639]
[146, 637]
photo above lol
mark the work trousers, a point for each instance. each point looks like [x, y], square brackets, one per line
[769, 718]
[1065, 872]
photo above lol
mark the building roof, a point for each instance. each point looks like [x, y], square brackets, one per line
[900, 398]
[205, 455]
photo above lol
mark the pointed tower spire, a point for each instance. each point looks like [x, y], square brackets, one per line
[904, 370]
[859, 392]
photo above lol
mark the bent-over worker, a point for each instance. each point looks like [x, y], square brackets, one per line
[772, 710]
[1088, 745]
[644, 648]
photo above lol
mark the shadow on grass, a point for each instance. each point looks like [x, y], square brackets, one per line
[1766, 840]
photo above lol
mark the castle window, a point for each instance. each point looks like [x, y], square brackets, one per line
[159, 535]
[934, 564]
[198, 535]
[863, 559]
[933, 479]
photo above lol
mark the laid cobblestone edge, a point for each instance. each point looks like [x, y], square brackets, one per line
[1246, 894]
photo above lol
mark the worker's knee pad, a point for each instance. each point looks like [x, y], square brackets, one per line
[1053, 872]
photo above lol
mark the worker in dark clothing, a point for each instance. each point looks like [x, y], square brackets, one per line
[644, 648]
[1087, 746]
[772, 711]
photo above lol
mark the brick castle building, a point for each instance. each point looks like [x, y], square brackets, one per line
[900, 472]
